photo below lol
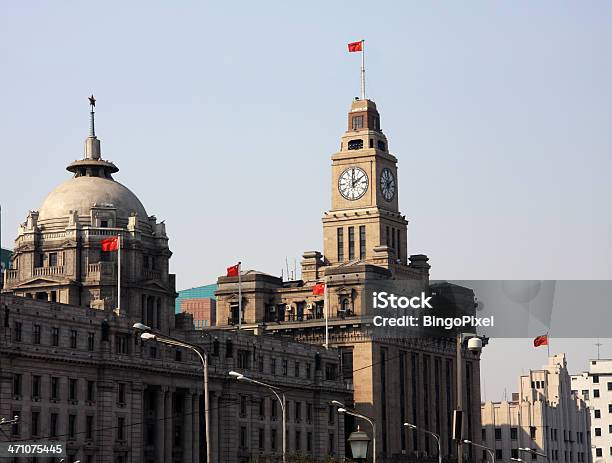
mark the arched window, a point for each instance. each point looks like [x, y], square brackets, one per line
[345, 307]
[355, 144]
[381, 145]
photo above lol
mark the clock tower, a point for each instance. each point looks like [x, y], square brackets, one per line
[364, 222]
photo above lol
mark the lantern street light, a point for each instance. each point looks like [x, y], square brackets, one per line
[349, 411]
[535, 452]
[148, 335]
[359, 442]
[436, 437]
[466, 441]
[281, 401]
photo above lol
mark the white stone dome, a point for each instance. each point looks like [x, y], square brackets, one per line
[81, 193]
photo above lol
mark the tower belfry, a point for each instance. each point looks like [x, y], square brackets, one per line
[364, 222]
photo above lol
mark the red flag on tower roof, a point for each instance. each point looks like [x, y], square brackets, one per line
[318, 289]
[541, 341]
[355, 46]
[233, 270]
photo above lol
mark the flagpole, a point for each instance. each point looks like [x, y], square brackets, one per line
[325, 310]
[119, 273]
[548, 344]
[239, 296]
[363, 94]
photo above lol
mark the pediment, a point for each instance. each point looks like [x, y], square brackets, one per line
[40, 281]
[154, 285]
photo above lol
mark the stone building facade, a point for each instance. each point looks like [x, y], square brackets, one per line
[595, 388]
[545, 415]
[73, 368]
[365, 243]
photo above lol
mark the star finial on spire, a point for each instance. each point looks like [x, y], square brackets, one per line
[92, 101]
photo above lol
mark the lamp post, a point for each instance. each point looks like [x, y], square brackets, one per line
[467, 441]
[149, 336]
[517, 459]
[436, 436]
[281, 400]
[349, 411]
[535, 452]
[359, 441]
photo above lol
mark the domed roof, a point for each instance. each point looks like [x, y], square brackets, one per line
[81, 193]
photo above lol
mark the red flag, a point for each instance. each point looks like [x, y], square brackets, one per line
[318, 289]
[355, 46]
[110, 244]
[541, 341]
[233, 270]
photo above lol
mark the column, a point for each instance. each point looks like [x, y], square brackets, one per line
[187, 426]
[168, 422]
[196, 428]
[159, 424]
[137, 423]
[105, 435]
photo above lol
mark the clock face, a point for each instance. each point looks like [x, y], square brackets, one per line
[387, 184]
[353, 183]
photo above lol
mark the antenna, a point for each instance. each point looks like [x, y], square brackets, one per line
[598, 344]
[287, 266]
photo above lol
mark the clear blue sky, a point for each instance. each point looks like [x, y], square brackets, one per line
[223, 116]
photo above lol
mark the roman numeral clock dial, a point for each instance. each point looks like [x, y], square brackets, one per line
[387, 184]
[353, 183]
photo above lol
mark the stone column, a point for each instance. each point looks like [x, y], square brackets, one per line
[196, 427]
[159, 424]
[187, 427]
[168, 422]
[137, 424]
[105, 419]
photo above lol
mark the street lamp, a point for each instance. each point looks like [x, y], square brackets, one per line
[281, 400]
[535, 452]
[349, 411]
[359, 442]
[436, 436]
[517, 459]
[467, 441]
[147, 335]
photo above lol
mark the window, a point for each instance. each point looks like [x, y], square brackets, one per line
[120, 428]
[308, 372]
[514, 453]
[381, 145]
[90, 341]
[72, 389]
[229, 349]
[17, 385]
[73, 339]
[35, 387]
[243, 405]
[54, 388]
[331, 418]
[55, 336]
[598, 432]
[260, 363]
[261, 438]
[331, 444]
[309, 441]
[498, 434]
[262, 409]
[273, 366]
[499, 454]
[243, 437]
[89, 426]
[362, 241]
[595, 393]
[484, 434]
[609, 385]
[309, 413]
[53, 259]
[597, 413]
[16, 427]
[18, 331]
[399, 245]
[355, 144]
[585, 394]
[285, 367]
[121, 393]
[36, 334]
[610, 428]
[35, 426]
[90, 391]
[298, 441]
[273, 413]
[331, 371]
[244, 359]
[298, 412]
[296, 369]
[598, 452]
[609, 408]
[122, 344]
[514, 433]
[104, 223]
[71, 426]
[273, 439]
[595, 379]
[351, 239]
[357, 122]
[532, 432]
[53, 418]
[340, 239]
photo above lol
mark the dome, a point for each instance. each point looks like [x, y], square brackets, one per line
[81, 193]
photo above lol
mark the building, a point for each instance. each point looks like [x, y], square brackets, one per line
[73, 369]
[365, 243]
[545, 416]
[201, 303]
[595, 388]
[5, 262]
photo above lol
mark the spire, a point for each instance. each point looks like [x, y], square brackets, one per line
[92, 144]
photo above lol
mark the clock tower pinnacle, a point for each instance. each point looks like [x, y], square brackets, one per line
[364, 222]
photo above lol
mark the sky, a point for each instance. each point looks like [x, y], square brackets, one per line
[223, 116]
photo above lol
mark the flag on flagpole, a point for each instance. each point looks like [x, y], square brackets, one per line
[541, 341]
[355, 46]
[233, 271]
[110, 244]
[318, 289]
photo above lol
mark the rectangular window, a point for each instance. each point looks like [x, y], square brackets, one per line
[298, 412]
[90, 342]
[362, 241]
[585, 394]
[309, 441]
[514, 433]
[243, 437]
[331, 418]
[332, 444]
[273, 439]
[351, 239]
[71, 426]
[18, 331]
[399, 245]
[36, 334]
[273, 366]
[388, 236]
[243, 405]
[393, 238]
[499, 454]
[17, 384]
[261, 438]
[244, 359]
[273, 413]
[596, 378]
[120, 428]
[121, 393]
[609, 385]
[90, 391]
[53, 418]
[340, 239]
[285, 367]
[35, 427]
[53, 259]
[532, 432]
[73, 339]
[262, 409]
[16, 427]
[54, 388]
[609, 408]
[55, 336]
[598, 452]
[598, 432]
[89, 426]
[595, 393]
[35, 387]
[72, 389]
[298, 441]
[498, 434]
[309, 413]
[308, 372]
[357, 122]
